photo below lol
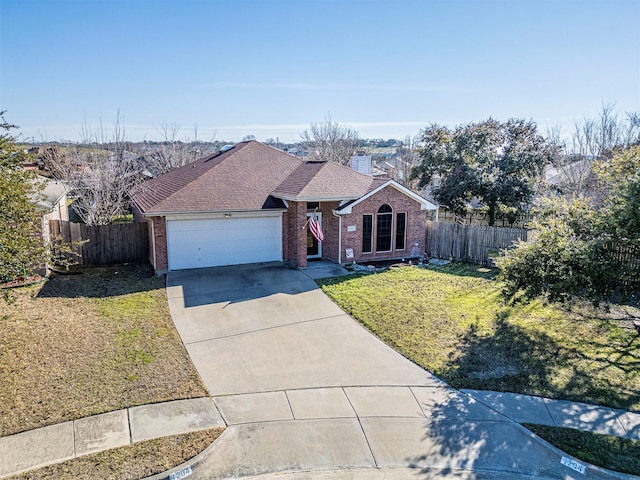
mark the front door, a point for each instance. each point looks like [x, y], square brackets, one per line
[314, 247]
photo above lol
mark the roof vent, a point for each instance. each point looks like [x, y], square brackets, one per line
[226, 148]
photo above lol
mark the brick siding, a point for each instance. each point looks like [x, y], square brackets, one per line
[159, 230]
[400, 203]
[294, 239]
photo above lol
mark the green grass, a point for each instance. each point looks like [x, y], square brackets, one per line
[453, 321]
[619, 454]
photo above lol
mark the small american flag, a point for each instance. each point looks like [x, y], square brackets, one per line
[314, 228]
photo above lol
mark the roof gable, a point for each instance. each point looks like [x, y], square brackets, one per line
[424, 203]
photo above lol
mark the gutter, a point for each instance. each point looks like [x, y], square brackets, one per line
[315, 199]
[153, 244]
[211, 212]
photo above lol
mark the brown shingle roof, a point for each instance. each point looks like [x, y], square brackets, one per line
[324, 181]
[241, 178]
[250, 176]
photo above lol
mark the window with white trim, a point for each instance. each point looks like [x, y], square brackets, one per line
[384, 228]
[401, 231]
[367, 233]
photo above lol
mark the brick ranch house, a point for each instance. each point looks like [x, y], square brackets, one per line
[251, 203]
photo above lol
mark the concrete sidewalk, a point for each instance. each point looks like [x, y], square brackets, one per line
[369, 428]
[57, 443]
[561, 413]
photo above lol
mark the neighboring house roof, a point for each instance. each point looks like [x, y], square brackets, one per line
[50, 195]
[252, 176]
[572, 171]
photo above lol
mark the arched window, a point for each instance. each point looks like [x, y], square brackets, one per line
[384, 220]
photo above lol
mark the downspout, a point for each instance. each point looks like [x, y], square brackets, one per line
[339, 236]
[153, 244]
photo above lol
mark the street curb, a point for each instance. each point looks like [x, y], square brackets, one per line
[192, 463]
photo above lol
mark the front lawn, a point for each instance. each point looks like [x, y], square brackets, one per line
[89, 343]
[453, 321]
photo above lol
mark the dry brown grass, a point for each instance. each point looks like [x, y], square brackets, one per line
[135, 461]
[79, 345]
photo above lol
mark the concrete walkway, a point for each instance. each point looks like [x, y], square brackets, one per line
[306, 393]
[64, 441]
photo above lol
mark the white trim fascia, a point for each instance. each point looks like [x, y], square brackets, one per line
[315, 199]
[272, 212]
[425, 204]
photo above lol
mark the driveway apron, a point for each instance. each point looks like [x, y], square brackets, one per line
[303, 387]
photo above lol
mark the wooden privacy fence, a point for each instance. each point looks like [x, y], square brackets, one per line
[107, 244]
[469, 243]
[627, 257]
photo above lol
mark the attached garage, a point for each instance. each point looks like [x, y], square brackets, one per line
[213, 242]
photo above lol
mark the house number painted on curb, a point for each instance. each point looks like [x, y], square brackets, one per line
[184, 473]
[578, 467]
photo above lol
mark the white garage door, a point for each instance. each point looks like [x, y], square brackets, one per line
[227, 241]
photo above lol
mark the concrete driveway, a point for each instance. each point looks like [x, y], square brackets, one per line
[305, 388]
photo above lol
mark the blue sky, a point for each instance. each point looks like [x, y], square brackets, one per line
[270, 68]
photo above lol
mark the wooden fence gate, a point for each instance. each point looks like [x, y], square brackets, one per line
[469, 243]
[107, 244]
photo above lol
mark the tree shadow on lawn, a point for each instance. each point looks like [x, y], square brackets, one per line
[101, 282]
[513, 359]
[461, 435]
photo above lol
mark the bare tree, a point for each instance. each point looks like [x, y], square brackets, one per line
[592, 139]
[98, 172]
[407, 156]
[173, 153]
[599, 137]
[330, 141]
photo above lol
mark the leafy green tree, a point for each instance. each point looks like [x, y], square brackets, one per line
[21, 244]
[620, 180]
[497, 163]
[576, 246]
